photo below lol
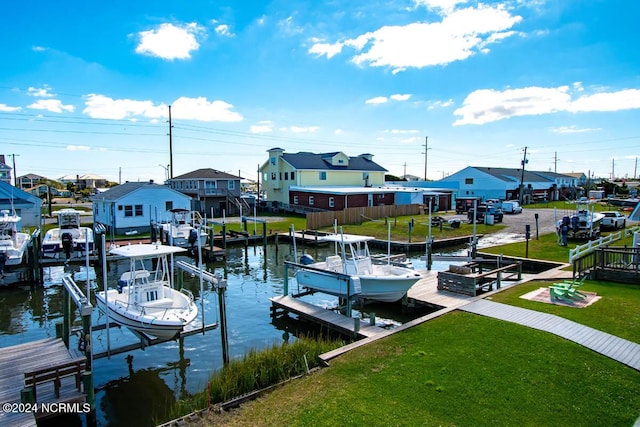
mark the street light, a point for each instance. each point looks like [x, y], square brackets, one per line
[166, 171]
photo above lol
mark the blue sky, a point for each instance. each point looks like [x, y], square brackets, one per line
[85, 86]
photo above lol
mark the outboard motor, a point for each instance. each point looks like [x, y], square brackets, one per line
[306, 259]
[67, 244]
[3, 260]
[193, 237]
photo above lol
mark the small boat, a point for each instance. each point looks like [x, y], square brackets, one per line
[69, 237]
[144, 299]
[584, 223]
[13, 243]
[183, 229]
[352, 271]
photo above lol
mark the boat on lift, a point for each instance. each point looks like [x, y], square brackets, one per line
[69, 238]
[184, 229]
[351, 271]
[584, 223]
[13, 243]
[144, 298]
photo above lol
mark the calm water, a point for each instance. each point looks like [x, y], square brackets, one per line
[135, 388]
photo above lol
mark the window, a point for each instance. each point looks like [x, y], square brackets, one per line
[138, 210]
[232, 185]
[323, 176]
[365, 175]
[293, 176]
[310, 200]
[128, 210]
[286, 176]
[295, 200]
[273, 176]
[168, 205]
[468, 181]
[280, 176]
[331, 202]
[273, 160]
[152, 295]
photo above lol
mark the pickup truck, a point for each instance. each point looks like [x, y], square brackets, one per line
[613, 220]
[485, 210]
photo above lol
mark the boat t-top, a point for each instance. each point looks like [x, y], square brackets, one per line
[69, 237]
[144, 299]
[351, 272]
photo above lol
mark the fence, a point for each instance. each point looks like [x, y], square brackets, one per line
[316, 220]
[582, 250]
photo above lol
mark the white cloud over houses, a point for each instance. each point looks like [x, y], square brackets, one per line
[169, 41]
[104, 107]
[51, 105]
[573, 129]
[488, 105]
[8, 109]
[460, 34]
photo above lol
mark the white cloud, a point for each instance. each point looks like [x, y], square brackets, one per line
[263, 126]
[440, 104]
[52, 105]
[223, 30]
[40, 92]
[8, 109]
[399, 97]
[288, 26]
[401, 131]
[202, 109]
[573, 129]
[459, 35]
[377, 100]
[78, 148]
[442, 5]
[170, 41]
[104, 107]
[487, 105]
[38, 48]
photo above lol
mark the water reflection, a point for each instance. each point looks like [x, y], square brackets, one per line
[137, 387]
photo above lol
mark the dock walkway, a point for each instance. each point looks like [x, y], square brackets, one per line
[323, 316]
[16, 360]
[619, 349]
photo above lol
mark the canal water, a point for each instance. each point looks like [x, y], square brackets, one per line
[136, 388]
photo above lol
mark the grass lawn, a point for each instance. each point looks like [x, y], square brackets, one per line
[459, 369]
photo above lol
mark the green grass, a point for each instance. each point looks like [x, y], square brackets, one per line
[617, 312]
[570, 206]
[459, 369]
[546, 247]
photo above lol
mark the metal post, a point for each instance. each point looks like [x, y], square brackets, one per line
[66, 317]
[285, 285]
[223, 322]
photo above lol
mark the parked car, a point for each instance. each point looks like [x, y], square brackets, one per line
[613, 219]
[512, 207]
[484, 210]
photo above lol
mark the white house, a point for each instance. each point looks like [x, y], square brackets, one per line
[133, 205]
[26, 206]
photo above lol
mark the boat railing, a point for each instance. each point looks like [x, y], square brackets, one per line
[188, 293]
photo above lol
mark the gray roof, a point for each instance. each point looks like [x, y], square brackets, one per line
[314, 161]
[119, 191]
[515, 175]
[9, 193]
[207, 174]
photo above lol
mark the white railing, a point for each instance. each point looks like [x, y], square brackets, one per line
[588, 247]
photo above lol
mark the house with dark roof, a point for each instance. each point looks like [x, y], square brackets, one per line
[213, 193]
[314, 179]
[132, 206]
[504, 183]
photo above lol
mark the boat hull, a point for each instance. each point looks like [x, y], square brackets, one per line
[156, 322]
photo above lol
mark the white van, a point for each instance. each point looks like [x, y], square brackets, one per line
[511, 207]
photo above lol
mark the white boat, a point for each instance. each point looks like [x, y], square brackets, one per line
[145, 300]
[183, 229]
[13, 243]
[584, 223]
[351, 272]
[69, 237]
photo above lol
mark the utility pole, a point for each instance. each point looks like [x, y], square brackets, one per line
[635, 169]
[426, 142]
[523, 162]
[405, 170]
[170, 146]
[613, 167]
[15, 180]
[555, 162]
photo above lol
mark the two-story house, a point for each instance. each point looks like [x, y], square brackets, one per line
[326, 180]
[213, 193]
[5, 170]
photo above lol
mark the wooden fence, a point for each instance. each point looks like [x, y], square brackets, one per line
[316, 220]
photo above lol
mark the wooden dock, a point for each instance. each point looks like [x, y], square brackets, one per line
[425, 291]
[48, 354]
[330, 319]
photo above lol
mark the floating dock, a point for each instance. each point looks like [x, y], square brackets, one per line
[332, 320]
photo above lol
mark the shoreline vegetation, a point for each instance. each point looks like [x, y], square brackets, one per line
[459, 369]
